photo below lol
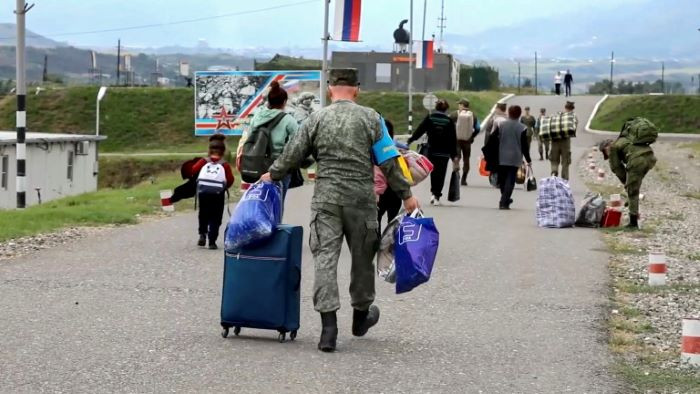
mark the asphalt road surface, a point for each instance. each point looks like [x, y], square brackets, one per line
[510, 308]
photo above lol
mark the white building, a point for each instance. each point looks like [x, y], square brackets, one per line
[58, 165]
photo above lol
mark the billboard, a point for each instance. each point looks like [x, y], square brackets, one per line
[225, 101]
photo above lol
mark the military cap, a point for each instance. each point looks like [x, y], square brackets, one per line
[343, 77]
[569, 104]
[604, 144]
[463, 102]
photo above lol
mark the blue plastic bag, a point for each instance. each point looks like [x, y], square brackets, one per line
[417, 241]
[257, 214]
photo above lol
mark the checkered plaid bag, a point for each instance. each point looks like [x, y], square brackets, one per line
[555, 203]
[559, 126]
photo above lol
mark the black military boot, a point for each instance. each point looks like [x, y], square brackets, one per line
[202, 240]
[362, 321]
[329, 332]
[633, 222]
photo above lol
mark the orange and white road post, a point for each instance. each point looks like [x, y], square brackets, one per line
[165, 202]
[690, 341]
[657, 268]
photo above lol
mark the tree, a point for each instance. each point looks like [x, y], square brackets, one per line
[478, 76]
[527, 83]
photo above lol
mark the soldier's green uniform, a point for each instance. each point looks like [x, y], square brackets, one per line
[631, 163]
[340, 138]
[529, 121]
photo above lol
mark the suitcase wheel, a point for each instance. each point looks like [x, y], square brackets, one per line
[224, 332]
[292, 335]
[236, 331]
[282, 337]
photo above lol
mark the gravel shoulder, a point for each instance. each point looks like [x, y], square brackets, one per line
[645, 321]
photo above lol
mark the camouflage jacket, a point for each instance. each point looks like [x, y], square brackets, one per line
[340, 139]
[624, 155]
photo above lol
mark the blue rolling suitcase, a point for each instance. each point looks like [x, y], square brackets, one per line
[261, 285]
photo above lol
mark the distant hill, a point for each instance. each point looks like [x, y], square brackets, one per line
[8, 34]
[649, 29]
[73, 64]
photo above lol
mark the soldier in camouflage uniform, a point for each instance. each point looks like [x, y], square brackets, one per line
[340, 138]
[630, 162]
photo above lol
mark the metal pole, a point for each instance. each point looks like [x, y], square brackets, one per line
[612, 63]
[97, 118]
[21, 118]
[536, 83]
[663, 71]
[442, 24]
[324, 66]
[518, 77]
[119, 59]
[410, 74]
[425, 12]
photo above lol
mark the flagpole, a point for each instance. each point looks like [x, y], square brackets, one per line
[324, 66]
[410, 74]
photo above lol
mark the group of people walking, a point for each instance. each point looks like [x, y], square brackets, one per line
[508, 135]
[341, 139]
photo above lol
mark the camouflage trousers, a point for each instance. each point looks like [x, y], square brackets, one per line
[636, 171]
[330, 224]
[560, 153]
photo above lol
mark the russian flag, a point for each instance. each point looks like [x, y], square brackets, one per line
[347, 20]
[424, 54]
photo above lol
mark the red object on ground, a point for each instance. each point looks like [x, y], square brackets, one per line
[482, 167]
[611, 218]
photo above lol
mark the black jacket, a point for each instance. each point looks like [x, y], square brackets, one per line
[442, 135]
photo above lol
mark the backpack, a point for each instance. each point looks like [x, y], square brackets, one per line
[212, 178]
[640, 131]
[256, 155]
[465, 125]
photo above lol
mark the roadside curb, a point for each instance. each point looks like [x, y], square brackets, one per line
[662, 136]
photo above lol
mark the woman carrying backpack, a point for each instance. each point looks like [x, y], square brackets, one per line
[283, 126]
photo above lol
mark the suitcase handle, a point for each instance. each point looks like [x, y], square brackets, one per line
[298, 285]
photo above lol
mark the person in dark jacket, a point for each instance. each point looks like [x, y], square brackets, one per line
[442, 146]
[512, 146]
[568, 80]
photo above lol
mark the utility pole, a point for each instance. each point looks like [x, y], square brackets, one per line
[441, 25]
[518, 77]
[324, 65]
[119, 59]
[410, 73]
[425, 12]
[45, 74]
[663, 81]
[612, 64]
[536, 87]
[21, 118]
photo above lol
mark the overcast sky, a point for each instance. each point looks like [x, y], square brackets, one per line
[292, 26]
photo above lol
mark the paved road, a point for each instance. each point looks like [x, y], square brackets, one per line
[510, 308]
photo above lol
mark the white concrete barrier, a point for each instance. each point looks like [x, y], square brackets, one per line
[690, 342]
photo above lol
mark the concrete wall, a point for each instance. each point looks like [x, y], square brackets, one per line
[443, 76]
[47, 168]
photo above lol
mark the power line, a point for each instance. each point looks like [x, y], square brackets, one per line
[180, 22]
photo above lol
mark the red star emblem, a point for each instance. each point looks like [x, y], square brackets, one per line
[223, 120]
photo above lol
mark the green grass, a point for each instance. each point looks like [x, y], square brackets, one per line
[132, 118]
[107, 206]
[394, 105]
[671, 113]
[162, 120]
[642, 379]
